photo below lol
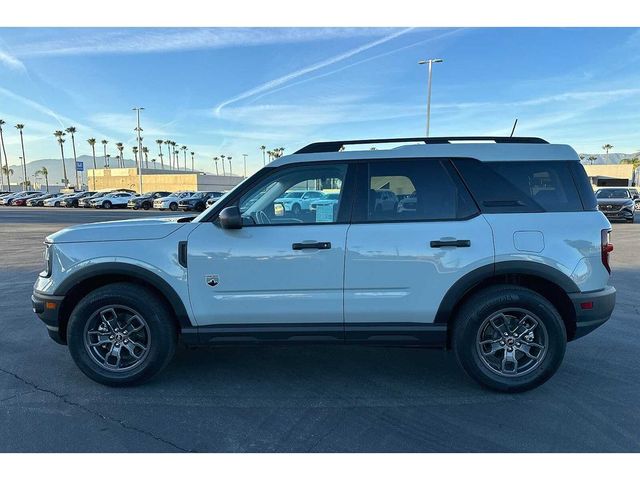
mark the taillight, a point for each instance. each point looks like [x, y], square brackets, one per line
[606, 247]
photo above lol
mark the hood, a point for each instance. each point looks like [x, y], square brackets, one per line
[137, 229]
[613, 201]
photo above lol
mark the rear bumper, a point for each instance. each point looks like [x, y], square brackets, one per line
[592, 309]
[47, 308]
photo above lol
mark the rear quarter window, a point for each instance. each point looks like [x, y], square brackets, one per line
[522, 186]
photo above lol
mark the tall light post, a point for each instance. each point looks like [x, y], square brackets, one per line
[244, 157]
[138, 130]
[430, 62]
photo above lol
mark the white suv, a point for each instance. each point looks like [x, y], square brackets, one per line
[503, 259]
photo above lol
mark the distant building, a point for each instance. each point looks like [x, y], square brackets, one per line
[620, 175]
[155, 179]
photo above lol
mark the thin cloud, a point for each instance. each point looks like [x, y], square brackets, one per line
[136, 41]
[11, 62]
[303, 71]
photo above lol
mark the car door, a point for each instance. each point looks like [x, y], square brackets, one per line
[279, 271]
[400, 263]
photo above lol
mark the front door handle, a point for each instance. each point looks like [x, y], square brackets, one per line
[314, 245]
[450, 243]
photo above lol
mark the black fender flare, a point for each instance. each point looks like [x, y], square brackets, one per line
[522, 267]
[131, 271]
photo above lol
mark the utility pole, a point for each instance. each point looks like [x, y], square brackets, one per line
[244, 155]
[430, 62]
[138, 130]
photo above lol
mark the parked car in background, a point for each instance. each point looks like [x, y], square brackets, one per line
[85, 202]
[617, 203]
[170, 202]
[383, 201]
[55, 201]
[635, 194]
[73, 199]
[8, 199]
[38, 201]
[113, 200]
[327, 205]
[22, 201]
[197, 202]
[214, 198]
[298, 201]
[408, 203]
[145, 201]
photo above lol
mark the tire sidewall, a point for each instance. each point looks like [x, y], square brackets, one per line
[162, 332]
[480, 308]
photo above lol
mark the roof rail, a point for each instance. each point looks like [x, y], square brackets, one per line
[336, 146]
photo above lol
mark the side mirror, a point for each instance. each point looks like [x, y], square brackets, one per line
[230, 218]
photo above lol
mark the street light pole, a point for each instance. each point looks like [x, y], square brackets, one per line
[430, 62]
[138, 130]
[244, 155]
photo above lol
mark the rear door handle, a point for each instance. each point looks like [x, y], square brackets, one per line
[314, 245]
[450, 243]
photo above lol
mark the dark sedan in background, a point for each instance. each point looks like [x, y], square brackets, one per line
[198, 201]
[617, 203]
[145, 201]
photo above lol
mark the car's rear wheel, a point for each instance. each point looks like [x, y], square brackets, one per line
[296, 209]
[509, 338]
[57, 204]
[121, 334]
[173, 206]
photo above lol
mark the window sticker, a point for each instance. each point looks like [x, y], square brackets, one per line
[324, 213]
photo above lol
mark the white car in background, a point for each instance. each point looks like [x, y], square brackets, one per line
[297, 201]
[113, 200]
[171, 202]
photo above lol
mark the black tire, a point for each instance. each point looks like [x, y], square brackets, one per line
[296, 209]
[106, 204]
[163, 334]
[481, 306]
[146, 206]
[57, 204]
[173, 206]
[630, 220]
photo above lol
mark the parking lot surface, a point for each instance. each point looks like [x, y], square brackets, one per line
[306, 398]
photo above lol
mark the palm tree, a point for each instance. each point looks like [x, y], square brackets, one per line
[592, 159]
[230, 169]
[145, 150]
[6, 168]
[215, 159]
[135, 153]
[184, 150]
[45, 172]
[72, 131]
[606, 147]
[222, 157]
[8, 172]
[59, 134]
[168, 144]
[104, 144]
[20, 126]
[160, 142]
[92, 142]
[153, 163]
[192, 162]
[120, 148]
[263, 148]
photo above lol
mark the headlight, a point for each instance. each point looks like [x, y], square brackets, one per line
[46, 257]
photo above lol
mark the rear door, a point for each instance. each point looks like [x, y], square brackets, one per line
[401, 262]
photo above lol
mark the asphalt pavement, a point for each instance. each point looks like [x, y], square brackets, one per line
[306, 398]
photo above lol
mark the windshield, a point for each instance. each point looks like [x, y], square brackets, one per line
[613, 193]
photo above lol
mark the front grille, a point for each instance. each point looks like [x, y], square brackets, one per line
[610, 208]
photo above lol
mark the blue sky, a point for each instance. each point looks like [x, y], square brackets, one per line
[229, 90]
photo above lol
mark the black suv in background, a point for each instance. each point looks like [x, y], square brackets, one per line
[72, 200]
[145, 201]
[198, 201]
[617, 203]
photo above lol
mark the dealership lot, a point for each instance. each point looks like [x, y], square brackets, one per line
[305, 398]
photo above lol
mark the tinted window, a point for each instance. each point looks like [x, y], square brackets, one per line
[434, 192]
[613, 193]
[521, 186]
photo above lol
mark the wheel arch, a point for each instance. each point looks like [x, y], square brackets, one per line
[552, 284]
[76, 286]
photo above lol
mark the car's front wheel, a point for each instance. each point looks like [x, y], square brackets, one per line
[509, 338]
[173, 207]
[121, 334]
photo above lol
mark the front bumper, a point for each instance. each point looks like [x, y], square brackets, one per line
[47, 308]
[622, 214]
[592, 309]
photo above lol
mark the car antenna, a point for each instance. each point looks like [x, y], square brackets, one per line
[514, 127]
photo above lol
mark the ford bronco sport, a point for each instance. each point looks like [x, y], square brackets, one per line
[502, 258]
